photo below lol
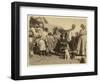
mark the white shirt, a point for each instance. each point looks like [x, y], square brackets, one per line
[42, 45]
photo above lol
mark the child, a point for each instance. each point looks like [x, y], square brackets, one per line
[42, 47]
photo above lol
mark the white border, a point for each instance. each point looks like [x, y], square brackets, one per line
[54, 69]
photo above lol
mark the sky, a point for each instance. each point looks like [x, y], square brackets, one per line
[65, 21]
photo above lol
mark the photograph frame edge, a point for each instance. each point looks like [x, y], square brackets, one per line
[15, 42]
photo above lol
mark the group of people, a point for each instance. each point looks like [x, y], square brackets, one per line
[46, 43]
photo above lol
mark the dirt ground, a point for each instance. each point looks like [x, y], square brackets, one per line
[53, 59]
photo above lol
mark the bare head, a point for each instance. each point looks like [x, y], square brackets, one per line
[82, 26]
[41, 25]
[50, 33]
[73, 26]
[46, 29]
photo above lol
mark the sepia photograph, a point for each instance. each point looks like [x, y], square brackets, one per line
[53, 40]
[56, 40]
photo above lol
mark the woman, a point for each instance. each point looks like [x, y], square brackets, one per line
[50, 43]
[56, 35]
[32, 34]
[82, 41]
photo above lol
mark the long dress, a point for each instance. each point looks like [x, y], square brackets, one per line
[82, 43]
[31, 40]
[56, 39]
[42, 45]
[50, 43]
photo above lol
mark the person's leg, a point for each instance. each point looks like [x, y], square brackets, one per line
[47, 52]
[83, 46]
[31, 50]
[44, 53]
[79, 46]
[67, 55]
[41, 53]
